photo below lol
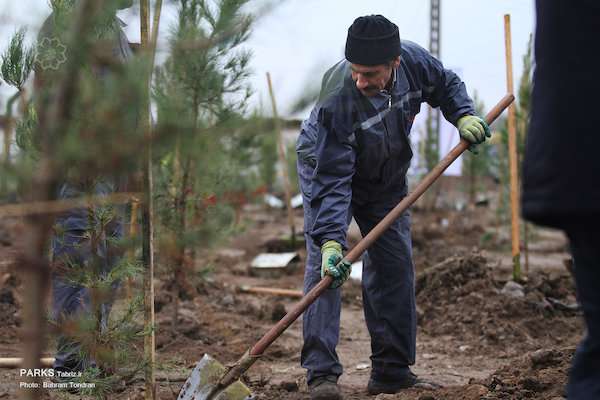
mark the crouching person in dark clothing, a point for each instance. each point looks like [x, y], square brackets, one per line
[561, 170]
[85, 242]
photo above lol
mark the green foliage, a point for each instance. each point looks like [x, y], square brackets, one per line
[63, 15]
[17, 61]
[292, 158]
[477, 166]
[268, 163]
[206, 150]
[99, 141]
[59, 6]
[106, 104]
[110, 342]
[526, 80]
[106, 112]
[206, 69]
[486, 239]
[522, 114]
[501, 165]
[525, 88]
[431, 149]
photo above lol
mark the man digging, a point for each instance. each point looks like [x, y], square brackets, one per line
[353, 155]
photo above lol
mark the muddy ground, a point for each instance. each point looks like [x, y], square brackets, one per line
[478, 336]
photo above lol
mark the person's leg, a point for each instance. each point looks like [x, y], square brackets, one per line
[70, 301]
[71, 249]
[321, 321]
[584, 379]
[389, 295]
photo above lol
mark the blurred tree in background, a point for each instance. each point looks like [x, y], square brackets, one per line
[17, 64]
[204, 170]
[477, 167]
[500, 163]
[81, 128]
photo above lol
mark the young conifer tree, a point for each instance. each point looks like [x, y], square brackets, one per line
[16, 64]
[81, 138]
[201, 94]
[522, 110]
[523, 115]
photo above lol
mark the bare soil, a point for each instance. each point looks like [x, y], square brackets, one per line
[475, 339]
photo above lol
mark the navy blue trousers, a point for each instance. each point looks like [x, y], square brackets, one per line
[584, 379]
[387, 288]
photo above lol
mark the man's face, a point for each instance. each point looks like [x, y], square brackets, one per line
[370, 79]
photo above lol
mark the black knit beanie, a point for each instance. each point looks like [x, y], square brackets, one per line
[372, 40]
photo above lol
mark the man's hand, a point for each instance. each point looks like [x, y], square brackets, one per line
[331, 255]
[473, 129]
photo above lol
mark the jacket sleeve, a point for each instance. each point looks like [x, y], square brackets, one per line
[442, 87]
[331, 187]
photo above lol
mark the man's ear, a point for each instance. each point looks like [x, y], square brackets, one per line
[396, 62]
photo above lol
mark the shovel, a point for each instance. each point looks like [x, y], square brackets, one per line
[210, 380]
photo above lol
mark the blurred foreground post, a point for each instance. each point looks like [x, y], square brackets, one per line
[284, 166]
[149, 50]
[54, 119]
[512, 155]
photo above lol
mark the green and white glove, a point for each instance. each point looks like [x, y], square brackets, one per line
[331, 255]
[473, 129]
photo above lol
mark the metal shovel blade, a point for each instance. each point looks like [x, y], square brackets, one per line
[203, 381]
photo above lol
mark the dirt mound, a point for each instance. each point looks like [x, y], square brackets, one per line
[539, 375]
[455, 276]
[438, 235]
[460, 297]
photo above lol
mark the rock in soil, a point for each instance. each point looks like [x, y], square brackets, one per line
[289, 386]
[278, 312]
[6, 296]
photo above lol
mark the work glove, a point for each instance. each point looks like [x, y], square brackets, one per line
[331, 255]
[473, 129]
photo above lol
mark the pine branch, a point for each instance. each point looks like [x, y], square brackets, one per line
[17, 61]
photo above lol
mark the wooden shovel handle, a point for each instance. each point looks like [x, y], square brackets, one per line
[364, 244]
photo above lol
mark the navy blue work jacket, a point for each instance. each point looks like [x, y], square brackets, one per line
[359, 147]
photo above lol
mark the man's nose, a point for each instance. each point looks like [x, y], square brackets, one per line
[361, 82]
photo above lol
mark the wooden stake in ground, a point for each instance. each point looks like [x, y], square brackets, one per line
[284, 166]
[133, 231]
[41, 208]
[149, 49]
[16, 362]
[512, 155]
[272, 291]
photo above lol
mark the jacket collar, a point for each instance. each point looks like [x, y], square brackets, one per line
[401, 85]
[398, 89]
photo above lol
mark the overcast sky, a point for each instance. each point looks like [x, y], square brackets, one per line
[299, 39]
